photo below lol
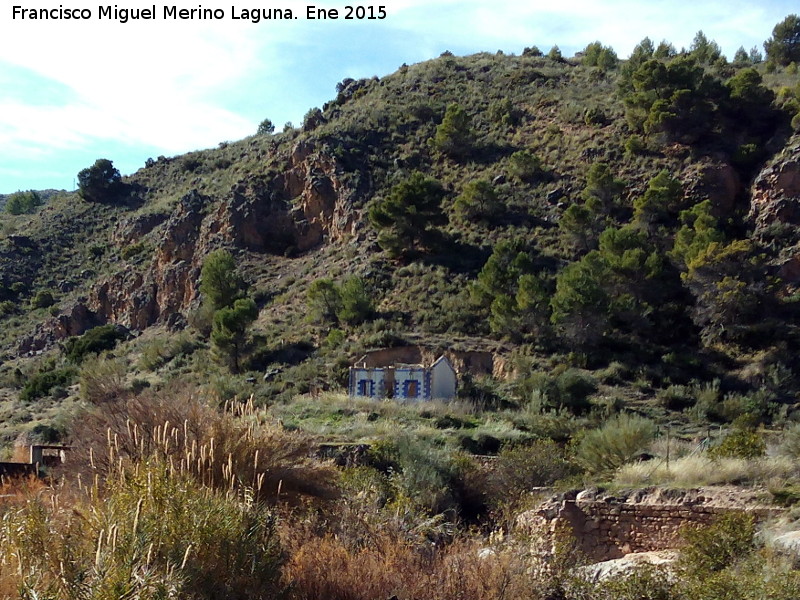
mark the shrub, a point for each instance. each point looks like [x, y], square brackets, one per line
[160, 351]
[574, 389]
[101, 182]
[790, 444]
[23, 202]
[7, 307]
[569, 390]
[132, 250]
[422, 474]
[594, 116]
[41, 384]
[603, 450]
[740, 443]
[525, 166]
[713, 548]
[541, 463]
[94, 341]
[103, 379]
[43, 299]
[503, 111]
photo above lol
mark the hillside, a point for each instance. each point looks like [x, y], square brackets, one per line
[607, 250]
[550, 154]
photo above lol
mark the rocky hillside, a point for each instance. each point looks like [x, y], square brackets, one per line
[637, 218]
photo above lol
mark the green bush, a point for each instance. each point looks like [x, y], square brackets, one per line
[713, 548]
[604, 450]
[41, 384]
[594, 116]
[23, 202]
[635, 145]
[525, 166]
[132, 250]
[569, 390]
[740, 443]
[790, 442]
[43, 299]
[574, 389]
[542, 463]
[94, 341]
[7, 307]
[101, 182]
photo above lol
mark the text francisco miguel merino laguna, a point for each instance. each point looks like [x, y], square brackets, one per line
[254, 15]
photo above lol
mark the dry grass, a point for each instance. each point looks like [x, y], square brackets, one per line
[237, 448]
[700, 470]
[326, 568]
[14, 490]
[147, 533]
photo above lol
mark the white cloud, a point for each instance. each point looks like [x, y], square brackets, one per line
[179, 85]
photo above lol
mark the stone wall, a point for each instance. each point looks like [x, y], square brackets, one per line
[608, 526]
[474, 362]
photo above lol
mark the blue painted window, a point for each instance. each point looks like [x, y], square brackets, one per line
[365, 387]
[410, 388]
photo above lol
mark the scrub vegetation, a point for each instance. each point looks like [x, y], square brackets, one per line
[618, 235]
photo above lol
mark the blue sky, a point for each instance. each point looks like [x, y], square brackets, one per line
[74, 91]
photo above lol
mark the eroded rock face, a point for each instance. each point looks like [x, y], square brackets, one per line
[720, 184]
[129, 231]
[74, 320]
[304, 206]
[776, 191]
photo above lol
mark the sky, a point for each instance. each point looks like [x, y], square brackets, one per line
[72, 91]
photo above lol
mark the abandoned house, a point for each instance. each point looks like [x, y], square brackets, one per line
[404, 381]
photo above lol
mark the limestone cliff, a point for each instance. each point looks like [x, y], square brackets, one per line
[775, 209]
[292, 211]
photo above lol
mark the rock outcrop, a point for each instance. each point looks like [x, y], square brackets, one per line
[305, 205]
[719, 183]
[776, 191]
[775, 202]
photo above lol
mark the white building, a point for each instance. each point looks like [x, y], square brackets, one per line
[407, 382]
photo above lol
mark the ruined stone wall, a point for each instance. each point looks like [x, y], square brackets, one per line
[609, 526]
[475, 362]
